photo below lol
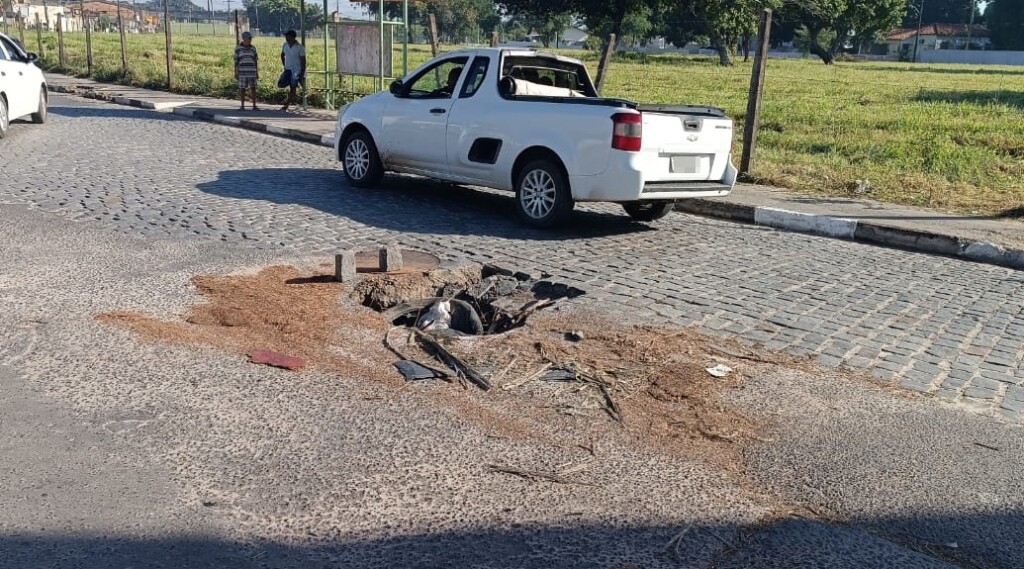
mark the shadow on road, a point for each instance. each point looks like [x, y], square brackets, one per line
[788, 542]
[409, 204]
[112, 112]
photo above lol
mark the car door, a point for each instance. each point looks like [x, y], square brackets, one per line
[14, 74]
[416, 119]
[475, 133]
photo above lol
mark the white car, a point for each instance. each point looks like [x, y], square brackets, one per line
[22, 85]
[533, 123]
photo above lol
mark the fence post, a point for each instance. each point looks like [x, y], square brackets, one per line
[494, 38]
[606, 60]
[167, 43]
[124, 50]
[88, 43]
[752, 122]
[238, 31]
[433, 34]
[39, 38]
[60, 40]
[21, 29]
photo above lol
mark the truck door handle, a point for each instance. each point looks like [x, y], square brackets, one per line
[437, 111]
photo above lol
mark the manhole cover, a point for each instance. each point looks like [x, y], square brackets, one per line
[412, 262]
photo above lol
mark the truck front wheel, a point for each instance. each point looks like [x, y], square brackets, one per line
[361, 161]
[648, 211]
[543, 196]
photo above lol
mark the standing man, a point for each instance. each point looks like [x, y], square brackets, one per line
[247, 69]
[293, 58]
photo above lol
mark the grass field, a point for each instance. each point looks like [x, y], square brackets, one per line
[940, 136]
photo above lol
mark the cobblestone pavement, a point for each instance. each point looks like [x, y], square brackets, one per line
[929, 324]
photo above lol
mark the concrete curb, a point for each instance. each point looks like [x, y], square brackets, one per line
[828, 226]
[201, 114]
[855, 230]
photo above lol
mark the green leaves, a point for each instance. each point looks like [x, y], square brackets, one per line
[1006, 21]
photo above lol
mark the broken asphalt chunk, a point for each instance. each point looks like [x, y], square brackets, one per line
[414, 371]
[276, 359]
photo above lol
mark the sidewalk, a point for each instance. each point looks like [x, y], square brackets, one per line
[974, 238]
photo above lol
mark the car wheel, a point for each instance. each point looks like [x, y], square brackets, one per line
[648, 211]
[5, 120]
[361, 161]
[543, 196]
[39, 117]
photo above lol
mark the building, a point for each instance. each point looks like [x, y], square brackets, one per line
[26, 12]
[899, 43]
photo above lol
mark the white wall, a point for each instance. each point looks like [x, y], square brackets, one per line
[975, 57]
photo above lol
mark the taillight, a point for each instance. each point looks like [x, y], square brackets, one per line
[627, 134]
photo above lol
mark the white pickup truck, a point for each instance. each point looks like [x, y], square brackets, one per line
[533, 123]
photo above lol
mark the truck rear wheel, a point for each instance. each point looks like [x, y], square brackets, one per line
[648, 211]
[543, 196]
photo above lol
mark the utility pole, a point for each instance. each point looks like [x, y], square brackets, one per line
[752, 122]
[917, 38]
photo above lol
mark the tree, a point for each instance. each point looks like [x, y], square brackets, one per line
[282, 15]
[549, 26]
[457, 20]
[829, 25]
[724, 22]
[1006, 21]
[602, 17]
[941, 12]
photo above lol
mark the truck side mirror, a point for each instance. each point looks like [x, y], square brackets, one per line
[396, 87]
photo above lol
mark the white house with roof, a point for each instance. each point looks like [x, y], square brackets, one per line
[899, 43]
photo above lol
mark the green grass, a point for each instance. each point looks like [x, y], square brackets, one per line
[941, 136]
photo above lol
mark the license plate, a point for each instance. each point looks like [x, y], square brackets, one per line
[686, 164]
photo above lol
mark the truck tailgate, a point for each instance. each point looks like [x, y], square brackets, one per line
[685, 144]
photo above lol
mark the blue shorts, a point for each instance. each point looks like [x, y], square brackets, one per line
[289, 79]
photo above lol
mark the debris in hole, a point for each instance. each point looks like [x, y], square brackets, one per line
[439, 317]
[574, 336]
[462, 369]
[720, 370]
[415, 371]
[465, 318]
[276, 359]
[384, 291]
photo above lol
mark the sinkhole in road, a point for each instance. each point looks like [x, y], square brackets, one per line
[569, 371]
[464, 299]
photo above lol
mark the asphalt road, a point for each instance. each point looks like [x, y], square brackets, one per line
[122, 453]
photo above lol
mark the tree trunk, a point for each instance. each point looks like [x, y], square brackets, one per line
[815, 48]
[746, 48]
[721, 45]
